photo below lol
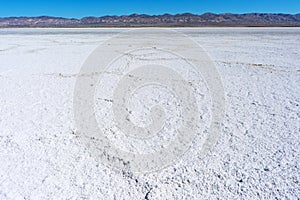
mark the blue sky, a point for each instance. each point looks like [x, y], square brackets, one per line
[81, 8]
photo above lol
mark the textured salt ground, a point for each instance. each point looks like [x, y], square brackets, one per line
[257, 155]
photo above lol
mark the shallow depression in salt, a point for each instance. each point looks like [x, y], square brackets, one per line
[257, 153]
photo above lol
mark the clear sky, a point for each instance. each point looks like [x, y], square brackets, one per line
[81, 8]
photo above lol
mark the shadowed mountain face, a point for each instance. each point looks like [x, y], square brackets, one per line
[186, 19]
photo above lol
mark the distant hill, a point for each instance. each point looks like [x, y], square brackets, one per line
[180, 20]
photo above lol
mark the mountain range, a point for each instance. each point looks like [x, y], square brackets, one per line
[143, 20]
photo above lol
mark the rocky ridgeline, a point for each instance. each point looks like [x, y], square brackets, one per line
[187, 19]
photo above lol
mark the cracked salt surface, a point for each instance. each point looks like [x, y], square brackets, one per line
[257, 155]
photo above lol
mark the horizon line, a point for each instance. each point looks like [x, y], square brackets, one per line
[37, 16]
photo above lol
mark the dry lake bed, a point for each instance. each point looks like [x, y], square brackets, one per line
[256, 155]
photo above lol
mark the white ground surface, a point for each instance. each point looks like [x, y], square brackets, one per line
[256, 157]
